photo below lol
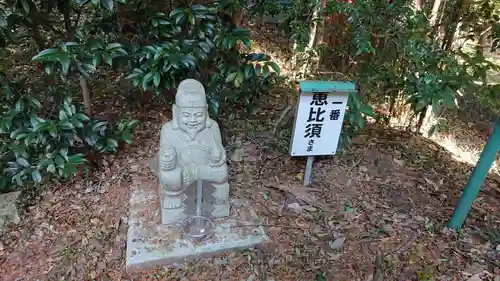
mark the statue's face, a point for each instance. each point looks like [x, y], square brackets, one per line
[192, 119]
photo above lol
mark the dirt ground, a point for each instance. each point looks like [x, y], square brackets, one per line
[376, 211]
[388, 196]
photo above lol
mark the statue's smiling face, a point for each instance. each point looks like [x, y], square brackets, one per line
[192, 119]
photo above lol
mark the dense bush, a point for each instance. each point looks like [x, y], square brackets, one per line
[48, 134]
[38, 142]
[202, 43]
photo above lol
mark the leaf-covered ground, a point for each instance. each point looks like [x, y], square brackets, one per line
[375, 212]
[390, 195]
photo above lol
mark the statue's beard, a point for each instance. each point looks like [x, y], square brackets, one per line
[192, 132]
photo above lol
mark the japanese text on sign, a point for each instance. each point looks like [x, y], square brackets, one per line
[319, 122]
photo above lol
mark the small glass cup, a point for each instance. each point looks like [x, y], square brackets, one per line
[198, 227]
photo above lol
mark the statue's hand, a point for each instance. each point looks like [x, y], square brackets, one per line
[204, 172]
[216, 157]
[186, 178]
[167, 158]
[212, 174]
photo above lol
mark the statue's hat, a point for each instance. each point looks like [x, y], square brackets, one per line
[190, 93]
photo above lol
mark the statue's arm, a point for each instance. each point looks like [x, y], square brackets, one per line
[218, 141]
[170, 175]
[217, 171]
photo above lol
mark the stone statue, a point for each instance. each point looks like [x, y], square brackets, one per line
[191, 149]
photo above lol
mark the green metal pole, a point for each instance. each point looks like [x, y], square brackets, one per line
[477, 178]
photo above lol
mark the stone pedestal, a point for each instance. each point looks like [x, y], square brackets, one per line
[151, 243]
[9, 211]
[211, 208]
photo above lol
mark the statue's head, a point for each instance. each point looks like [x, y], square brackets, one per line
[190, 112]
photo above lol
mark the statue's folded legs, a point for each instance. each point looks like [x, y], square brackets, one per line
[221, 204]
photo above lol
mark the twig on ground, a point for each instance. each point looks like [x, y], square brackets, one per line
[403, 246]
[379, 273]
[492, 262]
[301, 195]
[354, 165]
[267, 225]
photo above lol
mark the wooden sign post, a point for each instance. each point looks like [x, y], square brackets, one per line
[319, 118]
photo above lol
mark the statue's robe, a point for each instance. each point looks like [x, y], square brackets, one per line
[190, 154]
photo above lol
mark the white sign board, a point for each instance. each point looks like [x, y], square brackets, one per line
[319, 119]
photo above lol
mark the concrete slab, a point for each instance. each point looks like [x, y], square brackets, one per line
[151, 244]
[9, 212]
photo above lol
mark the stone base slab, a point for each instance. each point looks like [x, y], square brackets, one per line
[9, 211]
[151, 244]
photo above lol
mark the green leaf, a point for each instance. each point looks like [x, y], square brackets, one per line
[97, 127]
[96, 60]
[46, 55]
[320, 276]
[82, 117]
[112, 46]
[367, 110]
[192, 19]
[176, 12]
[265, 70]
[355, 99]
[65, 61]
[275, 67]
[112, 143]
[246, 41]
[179, 18]
[95, 44]
[18, 179]
[35, 102]
[23, 162]
[51, 168]
[230, 77]
[266, 195]
[66, 125]
[249, 71]
[420, 105]
[352, 118]
[151, 49]
[361, 122]
[19, 105]
[148, 77]
[157, 79]
[62, 115]
[127, 137]
[52, 130]
[95, 2]
[132, 124]
[26, 6]
[76, 159]
[108, 4]
[199, 8]
[59, 161]
[3, 22]
[108, 59]
[205, 47]
[214, 106]
[428, 79]
[49, 68]
[21, 136]
[77, 123]
[67, 108]
[133, 75]
[238, 80]
[36, 176]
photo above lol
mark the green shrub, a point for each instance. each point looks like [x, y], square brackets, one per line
[38, 145]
